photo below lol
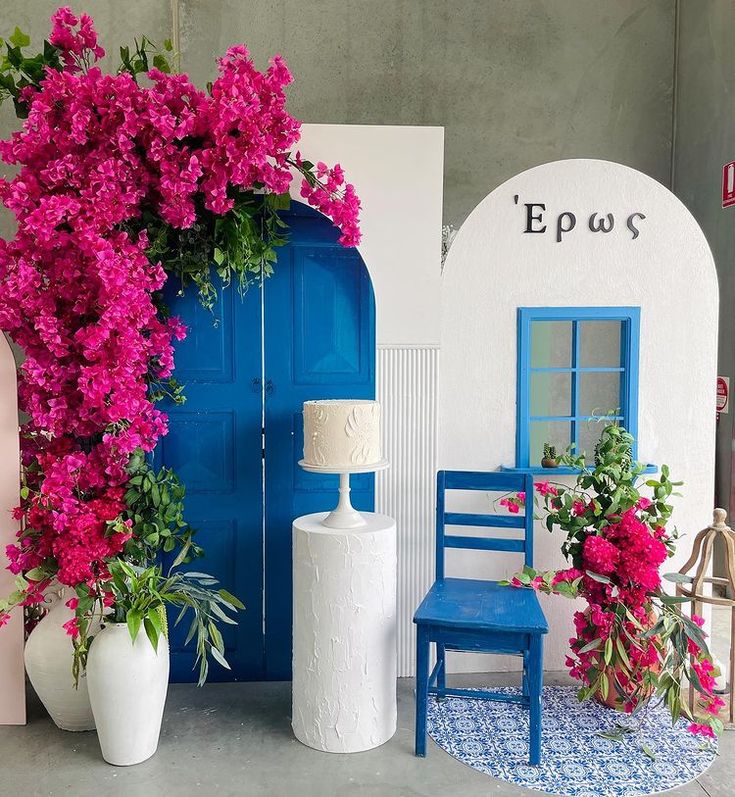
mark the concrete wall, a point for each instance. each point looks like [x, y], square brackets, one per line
[117, 24]
[514, 84]
[705, 140]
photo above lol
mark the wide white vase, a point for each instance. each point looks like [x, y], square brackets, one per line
[127, 683]
[49, 654]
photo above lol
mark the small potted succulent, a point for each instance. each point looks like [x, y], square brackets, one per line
[549, 459]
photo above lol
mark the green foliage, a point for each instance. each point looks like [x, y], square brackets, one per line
[238, 247]
[607, 488]
[145, 55]
[549, 451]
[155, 506]
[140, 597]
[19, 70]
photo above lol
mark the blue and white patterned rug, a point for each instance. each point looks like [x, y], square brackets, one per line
[492, 737]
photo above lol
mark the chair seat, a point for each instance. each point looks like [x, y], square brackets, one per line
[475, 604]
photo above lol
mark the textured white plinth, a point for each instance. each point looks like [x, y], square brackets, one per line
[344, 634]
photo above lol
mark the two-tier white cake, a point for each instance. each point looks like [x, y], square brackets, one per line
[342, 433]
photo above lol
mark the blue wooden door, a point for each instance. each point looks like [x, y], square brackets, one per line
[214, 445]
[308, 334]
[319, 322]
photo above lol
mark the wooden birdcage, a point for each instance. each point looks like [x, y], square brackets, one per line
[700, 562]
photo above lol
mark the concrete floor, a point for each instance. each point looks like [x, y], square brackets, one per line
[235, 739]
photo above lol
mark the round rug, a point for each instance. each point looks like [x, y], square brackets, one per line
[492, 737]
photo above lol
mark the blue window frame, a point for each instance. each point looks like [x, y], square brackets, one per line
[575, 364]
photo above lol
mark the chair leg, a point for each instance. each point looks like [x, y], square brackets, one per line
[524, 680]
[441, 676]
[535, 688]
[422, 687]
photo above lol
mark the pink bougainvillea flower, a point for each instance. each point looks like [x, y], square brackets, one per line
[600, 555]
[544, 488]
[701, 729]
[578, 508]
[77, 290]
[4, 619]
[72, 627]
[643, 503]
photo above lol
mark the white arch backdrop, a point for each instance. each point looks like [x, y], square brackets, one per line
[493, 268]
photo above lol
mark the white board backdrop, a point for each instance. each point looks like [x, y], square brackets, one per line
[494, 267]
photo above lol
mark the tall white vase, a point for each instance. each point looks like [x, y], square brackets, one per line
[48, 657]
[127, 688]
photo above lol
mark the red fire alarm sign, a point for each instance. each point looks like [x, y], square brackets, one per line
[728, 185]
[723, 394]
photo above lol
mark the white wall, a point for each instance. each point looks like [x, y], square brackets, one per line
[398, 173]
[493, 268]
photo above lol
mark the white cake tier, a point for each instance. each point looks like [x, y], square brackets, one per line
[341, 433]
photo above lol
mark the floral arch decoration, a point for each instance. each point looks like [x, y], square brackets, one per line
[125, 180]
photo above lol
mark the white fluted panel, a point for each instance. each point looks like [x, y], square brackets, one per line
[407, 385]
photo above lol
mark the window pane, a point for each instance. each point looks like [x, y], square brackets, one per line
[599, 393]
[557, 433]
[551, 393]
[589, 433]
[599, 343]
[551, 344]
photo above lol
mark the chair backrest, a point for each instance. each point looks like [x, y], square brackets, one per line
[490, 482]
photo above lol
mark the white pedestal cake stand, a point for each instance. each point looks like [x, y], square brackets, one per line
[344, 515]
[344, 634]
[344, 624]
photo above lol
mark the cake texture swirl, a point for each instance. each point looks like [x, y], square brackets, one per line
[341, 433]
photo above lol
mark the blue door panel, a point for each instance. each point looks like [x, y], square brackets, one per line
[318, 330]
[319, 343]
[214, 445]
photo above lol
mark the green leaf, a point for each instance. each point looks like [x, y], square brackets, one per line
[647, 750]
[133, 620]
[217, 640]
[608, 651]
[151, 631]
[20, 39]
[160, 62]
[217, 656]
[593, 645]
[36, 574]
[678, 578]
[597, 577]
[167, 45]
[231, 599]
[280, 201]
[24, 492]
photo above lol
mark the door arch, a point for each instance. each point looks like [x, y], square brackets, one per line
[308, 332]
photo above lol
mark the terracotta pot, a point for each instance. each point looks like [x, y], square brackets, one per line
[613, 699]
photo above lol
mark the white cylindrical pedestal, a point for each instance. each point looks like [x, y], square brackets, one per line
[344, 634]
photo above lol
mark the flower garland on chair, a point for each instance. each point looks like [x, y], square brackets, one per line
[121, 184]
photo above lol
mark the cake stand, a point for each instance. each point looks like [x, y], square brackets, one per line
[344, 515]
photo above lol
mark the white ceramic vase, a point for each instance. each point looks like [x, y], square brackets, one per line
[48, 655]
[127, 688]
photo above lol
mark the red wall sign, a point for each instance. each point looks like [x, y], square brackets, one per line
[723, 394]
[728, 185]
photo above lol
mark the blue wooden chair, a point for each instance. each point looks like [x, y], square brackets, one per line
[480, 616]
